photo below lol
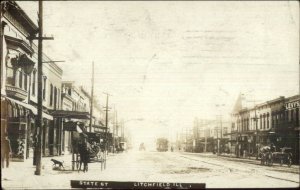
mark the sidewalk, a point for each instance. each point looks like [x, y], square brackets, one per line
[20, 175]
[252, 160]
[24, 171]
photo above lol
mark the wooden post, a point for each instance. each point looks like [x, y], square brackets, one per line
[40, 92]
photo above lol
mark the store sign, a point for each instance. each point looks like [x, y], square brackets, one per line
[292, 105]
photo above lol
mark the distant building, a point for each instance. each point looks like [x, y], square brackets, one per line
[271, 122]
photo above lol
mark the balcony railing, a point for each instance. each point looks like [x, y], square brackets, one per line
[16, 92]
[16, 84]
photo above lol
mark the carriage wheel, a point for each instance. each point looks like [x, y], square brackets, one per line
[270, 160]
[281, 162]
[289, 161]
[77, 162]
[262, 159]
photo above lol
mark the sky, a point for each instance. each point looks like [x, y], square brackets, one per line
[169, 62]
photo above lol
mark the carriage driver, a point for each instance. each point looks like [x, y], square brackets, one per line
[272, 147]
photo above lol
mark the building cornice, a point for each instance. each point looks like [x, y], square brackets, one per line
[16, 11]
[19, 43]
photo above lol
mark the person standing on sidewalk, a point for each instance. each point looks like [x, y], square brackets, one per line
[5, 151]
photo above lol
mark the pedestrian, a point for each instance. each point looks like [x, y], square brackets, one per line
[84, 149]
[5, 151]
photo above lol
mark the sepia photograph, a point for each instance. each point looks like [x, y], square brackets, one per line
[149, 94]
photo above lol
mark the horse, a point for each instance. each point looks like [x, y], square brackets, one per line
[266, 155]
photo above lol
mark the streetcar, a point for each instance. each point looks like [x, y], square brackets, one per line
[162, 144]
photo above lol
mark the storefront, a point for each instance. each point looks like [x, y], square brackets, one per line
[14, 120]
[18, 121]
[67, 124]
[290, 130]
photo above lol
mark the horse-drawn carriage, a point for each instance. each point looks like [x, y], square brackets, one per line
[87, 149]
[269, 156]
[283, 157]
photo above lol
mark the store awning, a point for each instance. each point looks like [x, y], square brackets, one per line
[72, 126]
[70, 114]
[30, 107]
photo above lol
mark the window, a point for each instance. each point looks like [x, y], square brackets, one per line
[55, 97]
[33, 82]
[260, 118]
[44, 88]
[58, 98]
[51, 94]
[286, 117]
[264, 121]
[268, 122]
[20, 79]
[292, 115]
[25, 81]
[247, 124]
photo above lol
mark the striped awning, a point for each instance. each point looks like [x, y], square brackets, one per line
[21, 105]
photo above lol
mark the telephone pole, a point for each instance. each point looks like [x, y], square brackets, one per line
[40, 38]
[106, 127]
[92, 99]
[40, 91]
[114, 129]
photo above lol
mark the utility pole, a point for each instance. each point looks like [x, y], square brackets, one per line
[114, 129]
[106, 127]
[218, 140]
[221, 134]
[186, 139]
[122, 131]
[256, 136]
[2, 25]
[256, 127]
[205, 139]
[92, 98]
[221, 129]
[39, 93]
[38, 148]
